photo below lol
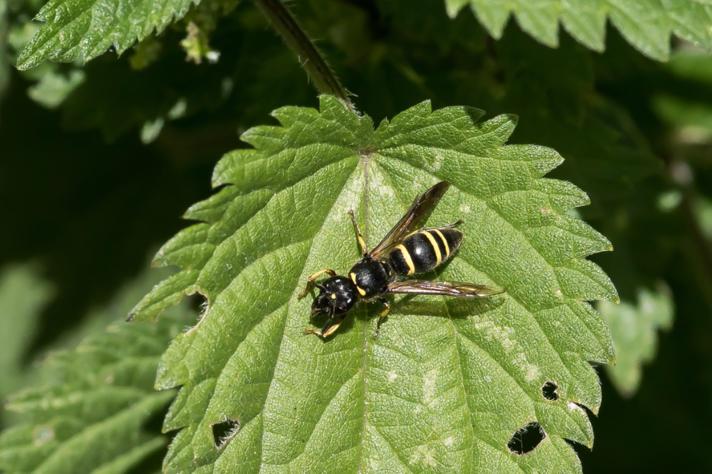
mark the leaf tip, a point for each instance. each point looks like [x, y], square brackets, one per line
[453, 7]
[512, 118]
[25, 61]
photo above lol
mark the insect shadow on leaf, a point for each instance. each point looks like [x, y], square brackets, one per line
[456, 308]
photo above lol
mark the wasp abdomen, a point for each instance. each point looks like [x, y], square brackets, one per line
[424, 250]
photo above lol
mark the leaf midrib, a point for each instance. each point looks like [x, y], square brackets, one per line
[366, 161]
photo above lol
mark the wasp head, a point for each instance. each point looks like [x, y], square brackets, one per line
[336, 296]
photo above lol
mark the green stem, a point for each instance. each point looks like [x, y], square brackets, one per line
[322, 76]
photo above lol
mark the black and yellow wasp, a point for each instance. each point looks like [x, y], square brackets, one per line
[406, 250]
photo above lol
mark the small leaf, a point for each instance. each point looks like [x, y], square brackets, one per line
[80, 30]
[634, 329]
[447, 384]
[646, 24]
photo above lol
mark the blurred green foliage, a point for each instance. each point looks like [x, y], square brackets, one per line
[98, 162]
[93, 407]
[23, 294]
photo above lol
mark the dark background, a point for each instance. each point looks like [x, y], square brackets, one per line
[84, 197]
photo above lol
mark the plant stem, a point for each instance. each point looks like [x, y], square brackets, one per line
[316, 67]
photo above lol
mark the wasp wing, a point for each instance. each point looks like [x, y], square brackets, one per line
[412, 220]
[445, 288]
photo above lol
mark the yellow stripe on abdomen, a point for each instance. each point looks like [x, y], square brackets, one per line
[444, 240]
[436, 247]
[407, 258]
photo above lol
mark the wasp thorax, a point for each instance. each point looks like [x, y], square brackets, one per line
[336, 295]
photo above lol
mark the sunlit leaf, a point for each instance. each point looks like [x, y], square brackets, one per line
[447, 384]
[80, 30]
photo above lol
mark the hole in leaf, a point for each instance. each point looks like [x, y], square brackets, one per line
[549, 391]
[224, 431]
[198, 302]
[527, 438]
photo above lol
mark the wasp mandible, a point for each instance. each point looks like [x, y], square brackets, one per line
[407, 249]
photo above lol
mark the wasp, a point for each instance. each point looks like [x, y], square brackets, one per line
[407, 249]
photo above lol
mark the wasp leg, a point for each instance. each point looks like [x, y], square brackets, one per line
[312, 278]
[361, 241]
[329, 328]
[382, 315]
[312, 330]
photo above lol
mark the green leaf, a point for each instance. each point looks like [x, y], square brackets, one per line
[634, 329]
[95, 415]
[23, 294]
[447, 383]
[80, 30]
[646, 24]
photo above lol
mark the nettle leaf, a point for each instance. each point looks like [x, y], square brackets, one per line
[646, 24]
[95, 415]
[634, 329]
[448, 385]
[80, 30]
